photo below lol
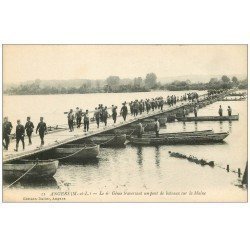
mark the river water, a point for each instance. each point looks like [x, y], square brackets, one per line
[140, 173]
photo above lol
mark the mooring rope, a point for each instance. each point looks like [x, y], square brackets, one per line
[20, 177]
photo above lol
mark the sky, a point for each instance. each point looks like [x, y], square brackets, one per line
[62, 62]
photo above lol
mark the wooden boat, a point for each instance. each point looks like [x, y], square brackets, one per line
[77, 152]
[190, 133]
[182, 139]
[109, 140]
[233, 99]
[43, 169]
[209, 118]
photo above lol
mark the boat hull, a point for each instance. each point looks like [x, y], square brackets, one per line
[171, 140]
[77, 152]
[109, 140]
[209, 118]
[43, 170]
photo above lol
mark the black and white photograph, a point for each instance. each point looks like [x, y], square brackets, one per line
[125, 123]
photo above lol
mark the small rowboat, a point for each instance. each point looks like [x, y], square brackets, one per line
[44, 169]
[109, 140]
[187, 139]
[208, 118]
[77, 152]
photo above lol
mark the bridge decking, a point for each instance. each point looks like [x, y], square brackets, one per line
[56, 139]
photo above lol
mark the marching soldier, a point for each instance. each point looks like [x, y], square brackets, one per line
[42, 128]
[97, 116]
[29, 127]
[7, 127]
[86, 121]
[20, 131]
[124, 111]
[114, 113]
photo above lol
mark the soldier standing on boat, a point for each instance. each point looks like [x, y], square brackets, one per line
[20, 131]
[220, 111]
[29, 127]
[97, 116]
[195, 111]
[140, 129]
[124, 111]
[7, 127]
[229, 110]
[86, 121]
[157, 127]
[42, 128]
[71, 120]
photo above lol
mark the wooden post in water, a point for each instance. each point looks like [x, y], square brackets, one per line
[245, 176]
[239, 173]
[227, 168]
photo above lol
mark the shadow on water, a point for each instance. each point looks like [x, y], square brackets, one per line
[33, 183]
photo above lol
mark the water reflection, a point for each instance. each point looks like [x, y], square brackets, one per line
[139, 156]
[221, 126]
[184, 126]
[230, 126]
[195, 126]
[157, 156]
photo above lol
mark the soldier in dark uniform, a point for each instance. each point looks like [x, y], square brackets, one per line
[86, 121]
[29, 127]
[105, 115]
[78, 117]
[7, 127]
[42, 128]
[124, 111]
[71, 120]
[20, 131]
[114, 113]
[97, 116]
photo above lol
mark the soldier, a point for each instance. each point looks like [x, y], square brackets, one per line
[220, 111]
[29, 126]
[124, 111]
[97, 116]
[114, 113]
[71, 120]
[140, 130]
[19, 134]
[42, 128]
[229, 110]
[7, 127]
[195, 111]
[86, 121]
[78, 117]
[105, 115]
[157, 127]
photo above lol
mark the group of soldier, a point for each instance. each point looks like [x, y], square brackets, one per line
[229, 111]
[21, 130]
[100, 115]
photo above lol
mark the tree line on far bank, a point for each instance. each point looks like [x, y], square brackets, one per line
[113, 84]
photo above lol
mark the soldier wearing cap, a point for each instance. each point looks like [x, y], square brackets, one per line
[29, 127]
[20, 131]
[42, 128]
[7, 127]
